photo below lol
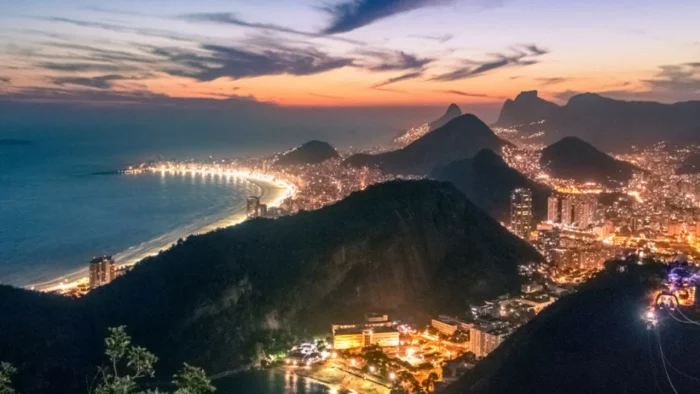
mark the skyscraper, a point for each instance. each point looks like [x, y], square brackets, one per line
[102, 271]
[253, 206]
[521, 212]
[567, 208]
[585, 207]
[553, 209]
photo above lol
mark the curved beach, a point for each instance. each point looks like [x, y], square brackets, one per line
[271, 193]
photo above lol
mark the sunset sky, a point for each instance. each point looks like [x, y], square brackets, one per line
[349, 52]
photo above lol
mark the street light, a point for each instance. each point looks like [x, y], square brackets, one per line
[372, 369]
[392, 376]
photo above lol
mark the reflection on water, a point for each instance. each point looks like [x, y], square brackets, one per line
[268, 382]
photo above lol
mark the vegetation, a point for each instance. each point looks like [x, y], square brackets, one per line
[6, 372]
[129, 365]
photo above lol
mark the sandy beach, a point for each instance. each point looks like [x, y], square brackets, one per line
[271, 193]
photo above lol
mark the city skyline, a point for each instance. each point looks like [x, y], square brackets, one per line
[348, 53]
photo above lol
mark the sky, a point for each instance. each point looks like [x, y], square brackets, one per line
[347, 52]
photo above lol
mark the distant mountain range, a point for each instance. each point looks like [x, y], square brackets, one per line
[573, 158]
[460, 138]
[691, 165]
[312, 152]
[594, 341]
[414, 133]
[488, 182]
[398, 247]
[608, 123]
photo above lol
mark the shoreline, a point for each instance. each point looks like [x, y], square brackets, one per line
[272, 194]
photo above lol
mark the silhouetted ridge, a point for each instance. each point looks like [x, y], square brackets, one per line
[488, 182]
[593, 341]
[573, 158]
[311, 152]
[606, 122]
[461, 137]
[452, 112]
[691, 165]
[526, 108]
[400, 247]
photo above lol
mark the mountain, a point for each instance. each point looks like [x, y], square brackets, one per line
[606, 122]
[527, 108]
[312, 152]
[460, 138]
[573, 158]
[414, 133]
[487, 181]
[594, 341]
[691, 165]
[452, 112]
[403, 247]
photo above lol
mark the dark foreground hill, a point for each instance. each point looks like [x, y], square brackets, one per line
[691, 165]
[488, 182]
[573, 158]
[593, 341]
[460, 138]
[215, 299]
[312, 152]
[608, 123]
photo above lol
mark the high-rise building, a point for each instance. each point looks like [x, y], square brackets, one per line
[553, 209]
[102, 271]
[548, 240]
[585, 207]
[262, 210]
[567, 209]
[521, 212]
[253, 207]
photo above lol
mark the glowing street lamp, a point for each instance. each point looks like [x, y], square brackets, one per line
[392, 376]
[372, 369]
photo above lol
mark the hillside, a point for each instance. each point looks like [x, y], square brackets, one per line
[691, 165]
[311, 152]
[573, 158]
[460, 138]
[401, 247]
[488, 182]
[414, 133]
[525, 109]
[593, 341]
[452, 112]
[605, 122]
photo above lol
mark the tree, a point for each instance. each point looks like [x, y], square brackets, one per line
[128, 365]
[6, 372]
[429, 382]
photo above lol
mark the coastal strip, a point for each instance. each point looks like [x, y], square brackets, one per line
[273, 193]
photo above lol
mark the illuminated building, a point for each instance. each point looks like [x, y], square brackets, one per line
[548, 240]
[362, 337]
[253, 207]
[553, 209]
[585, 207]
[102, 271]
[484, 340]
[445, 326]
[697, 229]
[521, 212]
[567, 209]
[675, 229]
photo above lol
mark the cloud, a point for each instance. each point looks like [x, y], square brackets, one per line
[217, 61]
[681, 79]
[81, 67]
[441, 39]
[551, 80]
[227, 18]
[5, 80]
[326, 96]
[123, 29]
[393, 60]
[101, 82]
[404, 77]
[522, 56]
[467, 94]
[348, 15]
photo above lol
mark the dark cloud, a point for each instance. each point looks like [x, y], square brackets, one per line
[393, 60]
[123, 29]
[404, 77]
[82, 67]
[551, 80]
[392, 90]
[216, 61]
[467, 94]
[5, 80]
[348, 15]
[522, 56]
[226, 18]
[440, 39]
[101, 82]
[680, 79]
